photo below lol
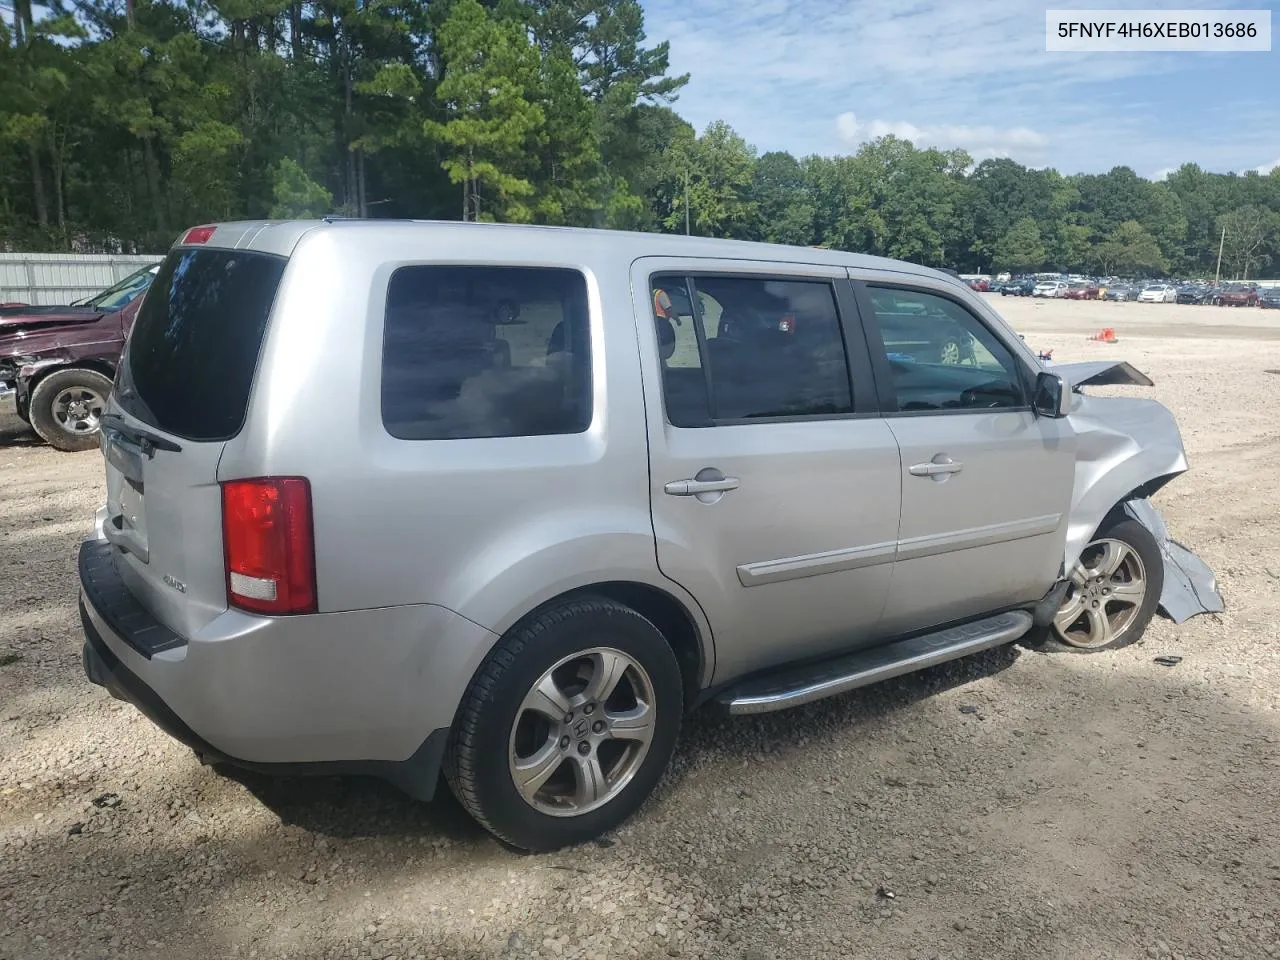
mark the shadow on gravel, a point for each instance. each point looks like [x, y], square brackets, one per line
[15, 433]
[357, 807]
[350, 807]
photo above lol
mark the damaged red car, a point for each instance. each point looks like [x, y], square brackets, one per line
[57, 363]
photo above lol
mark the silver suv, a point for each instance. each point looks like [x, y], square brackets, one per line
[507, 502]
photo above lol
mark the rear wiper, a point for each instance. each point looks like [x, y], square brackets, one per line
[147, 441]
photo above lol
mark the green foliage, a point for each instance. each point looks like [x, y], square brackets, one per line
[296, 195]
[123, 122]
[1130, 250]
[1021, 248]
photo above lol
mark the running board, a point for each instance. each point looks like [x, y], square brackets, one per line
[796, 685]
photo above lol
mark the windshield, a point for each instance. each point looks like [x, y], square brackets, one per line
[123, 293]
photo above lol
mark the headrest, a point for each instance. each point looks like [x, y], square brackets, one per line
[666, 337]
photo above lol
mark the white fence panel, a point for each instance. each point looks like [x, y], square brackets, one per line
[56, 278]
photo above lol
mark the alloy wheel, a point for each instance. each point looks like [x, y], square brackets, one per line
[1108, 586]
[582, 732]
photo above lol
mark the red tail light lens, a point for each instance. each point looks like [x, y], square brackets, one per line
[198, 235]
[268, 545]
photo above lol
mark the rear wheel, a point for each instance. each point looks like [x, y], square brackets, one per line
[567, 726]
[66, 408]
[1115, 588]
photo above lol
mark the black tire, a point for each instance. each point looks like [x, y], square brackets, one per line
[1139, 539]
[477, 758]
[61, 433]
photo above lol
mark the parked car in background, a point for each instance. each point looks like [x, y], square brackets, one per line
[981, 285]
[58, 362]
[1238, 295]
[1192, 293]
[1121, 292]
[1081, 290]
[1158, 293]
[1022, 287]
[528, 540]
[1050, 288]
[1269, 299]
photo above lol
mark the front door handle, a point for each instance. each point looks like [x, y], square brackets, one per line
[940, 466]
[691, 488]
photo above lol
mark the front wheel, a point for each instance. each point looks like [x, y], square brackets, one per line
[567, 726]
[66, 408]
[1115, 588]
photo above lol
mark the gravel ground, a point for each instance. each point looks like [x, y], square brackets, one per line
[1014, 805]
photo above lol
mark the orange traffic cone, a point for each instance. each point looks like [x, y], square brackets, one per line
[1106, 335]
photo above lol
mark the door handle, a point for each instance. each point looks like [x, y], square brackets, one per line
[935, 468]
[691, 488]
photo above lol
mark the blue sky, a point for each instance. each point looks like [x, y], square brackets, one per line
[820, 76]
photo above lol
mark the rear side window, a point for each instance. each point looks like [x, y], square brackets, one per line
[744, 349]
[481, 351]
[194, 345]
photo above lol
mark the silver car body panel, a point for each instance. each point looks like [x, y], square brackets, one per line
[428, 551]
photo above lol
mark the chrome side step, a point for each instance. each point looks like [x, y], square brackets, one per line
[793, 686]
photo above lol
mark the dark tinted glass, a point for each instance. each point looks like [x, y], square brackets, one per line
[485, 352]
[194, 345]
[941, 356]
[769, 348]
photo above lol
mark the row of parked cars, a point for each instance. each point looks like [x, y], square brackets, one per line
[1222, 295]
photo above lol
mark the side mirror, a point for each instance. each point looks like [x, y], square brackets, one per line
[1052, 397]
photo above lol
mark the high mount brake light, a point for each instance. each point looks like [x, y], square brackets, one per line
[198, 235]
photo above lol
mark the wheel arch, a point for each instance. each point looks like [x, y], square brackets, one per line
[32, 374]
[686, 631]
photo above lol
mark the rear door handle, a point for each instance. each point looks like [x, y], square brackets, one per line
[691, 488]
[935, 468]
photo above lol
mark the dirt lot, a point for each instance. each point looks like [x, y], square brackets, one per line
[1017, 805]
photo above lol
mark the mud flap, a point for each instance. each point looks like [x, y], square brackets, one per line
[1190, 587]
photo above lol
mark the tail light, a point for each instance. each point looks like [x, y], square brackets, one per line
[268, 545]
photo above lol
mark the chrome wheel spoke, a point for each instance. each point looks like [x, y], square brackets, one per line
[531, 773]
[1113, 554]
[634, 724]
[607, 669]
[1070, 611]
[548, 700]
[589, 780]
[1134, 591]
[1100, 633]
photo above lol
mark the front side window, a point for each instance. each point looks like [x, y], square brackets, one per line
[481, 351]
[736, 348]
[941, 356]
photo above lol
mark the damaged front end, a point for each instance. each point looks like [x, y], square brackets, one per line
[1127, 449]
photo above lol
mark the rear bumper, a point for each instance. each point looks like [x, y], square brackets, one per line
[368, 692]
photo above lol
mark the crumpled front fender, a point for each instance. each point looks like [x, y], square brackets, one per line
[1124, 447]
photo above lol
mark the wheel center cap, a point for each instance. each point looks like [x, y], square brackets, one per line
[580, 729]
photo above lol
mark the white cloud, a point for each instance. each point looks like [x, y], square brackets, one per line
[1163, 173]
[1267, 167]
[980, 140]
[972, 74]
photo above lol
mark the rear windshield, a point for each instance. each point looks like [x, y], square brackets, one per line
[195, 342]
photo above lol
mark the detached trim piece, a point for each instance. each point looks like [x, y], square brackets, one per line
[856, 558]
[119, 609]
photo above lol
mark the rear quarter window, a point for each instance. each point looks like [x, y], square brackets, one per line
[484, 351]
[194, 346]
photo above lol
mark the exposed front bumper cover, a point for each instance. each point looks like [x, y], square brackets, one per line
[1190, 588]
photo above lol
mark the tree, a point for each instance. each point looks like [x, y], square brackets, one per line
[1130, 250]
[715, 170]
[491, 74]
[297, 196]
[783, 207]
[1021, 248]
[1244, 231]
